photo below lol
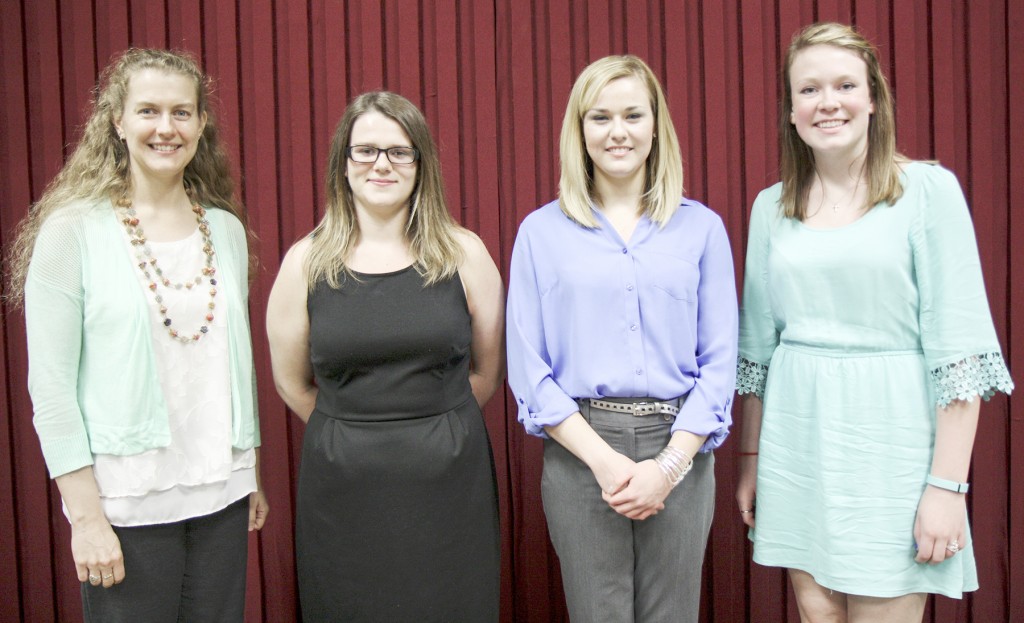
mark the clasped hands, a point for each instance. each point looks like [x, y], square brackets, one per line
[636, 490]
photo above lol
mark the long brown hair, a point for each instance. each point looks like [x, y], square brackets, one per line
[881, 167]
[98, 169]
[430, 228]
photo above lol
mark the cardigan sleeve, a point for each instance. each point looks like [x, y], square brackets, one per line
[54, 301]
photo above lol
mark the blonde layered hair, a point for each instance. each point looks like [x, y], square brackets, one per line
[882, 164]
[430, 229]
[663, 183]
[99, 168]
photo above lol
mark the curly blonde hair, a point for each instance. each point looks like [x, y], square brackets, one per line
[98, 168]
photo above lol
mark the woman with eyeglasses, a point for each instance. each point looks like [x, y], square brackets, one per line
[385, 327]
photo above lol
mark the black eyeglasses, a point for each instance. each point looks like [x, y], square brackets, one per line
[365, 154]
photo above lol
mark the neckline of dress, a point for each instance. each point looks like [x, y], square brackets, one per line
[841, 227]
[387, 274]
[903, 180]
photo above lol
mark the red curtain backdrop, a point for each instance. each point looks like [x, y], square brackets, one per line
[493, 77]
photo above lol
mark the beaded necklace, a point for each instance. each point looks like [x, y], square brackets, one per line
[154, 275]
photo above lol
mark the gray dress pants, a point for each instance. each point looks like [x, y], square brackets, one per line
[615, 569]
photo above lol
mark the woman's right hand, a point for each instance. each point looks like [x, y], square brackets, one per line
[613, 471]
[97, 552]
[95, 548]
[746, 489]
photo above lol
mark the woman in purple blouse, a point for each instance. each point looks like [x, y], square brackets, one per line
[622, 327]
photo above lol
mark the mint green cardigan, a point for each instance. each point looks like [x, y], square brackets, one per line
[92, 374]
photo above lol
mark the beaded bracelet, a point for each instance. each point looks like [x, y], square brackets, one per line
[674, 463]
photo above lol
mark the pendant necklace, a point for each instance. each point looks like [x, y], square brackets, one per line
[849, 195]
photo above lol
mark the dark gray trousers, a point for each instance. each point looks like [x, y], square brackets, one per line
[615, 568]
[191, 570]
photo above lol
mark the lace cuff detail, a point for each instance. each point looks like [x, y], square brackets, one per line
[751, 377]
[978, 375]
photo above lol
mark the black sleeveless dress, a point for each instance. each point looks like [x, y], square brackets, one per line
[397, 513]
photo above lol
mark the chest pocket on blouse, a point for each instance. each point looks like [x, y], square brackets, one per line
[674, 276]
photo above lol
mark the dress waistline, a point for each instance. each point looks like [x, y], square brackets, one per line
[831, 352]
[338, 412]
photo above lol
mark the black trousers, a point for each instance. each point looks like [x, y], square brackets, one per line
[191, 570]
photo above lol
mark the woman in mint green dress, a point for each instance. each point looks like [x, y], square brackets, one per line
[865, 344]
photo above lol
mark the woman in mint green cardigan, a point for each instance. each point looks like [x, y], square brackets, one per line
[133, 270]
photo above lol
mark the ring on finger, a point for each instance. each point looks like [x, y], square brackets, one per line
[953, 547]
[94, 579]
[749, 510]
[108, 576]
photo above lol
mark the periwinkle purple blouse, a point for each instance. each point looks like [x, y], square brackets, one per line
[590, 316]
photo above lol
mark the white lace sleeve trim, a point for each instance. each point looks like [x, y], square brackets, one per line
[979, 375]
[751, 377]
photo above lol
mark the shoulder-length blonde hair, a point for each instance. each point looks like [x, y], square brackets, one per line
[881, 167]
[99, 167]
[430, 228]
[663, 183]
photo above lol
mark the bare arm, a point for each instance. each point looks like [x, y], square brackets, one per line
[942, 514]
[750, 435]
[485, 298]
[288, 334]
[258, 506]
[94, 546]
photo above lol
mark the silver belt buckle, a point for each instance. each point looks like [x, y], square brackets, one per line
[639, 408]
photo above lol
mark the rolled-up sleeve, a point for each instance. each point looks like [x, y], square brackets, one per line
[708, 407]
[540, 400]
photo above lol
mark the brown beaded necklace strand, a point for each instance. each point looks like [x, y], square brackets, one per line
[155, 276]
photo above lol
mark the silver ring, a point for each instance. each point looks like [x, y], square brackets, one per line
[108, 577]
[953, 547]
[94, 579]
[749, 510]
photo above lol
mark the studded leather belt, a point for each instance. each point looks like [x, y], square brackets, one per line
[638, 408]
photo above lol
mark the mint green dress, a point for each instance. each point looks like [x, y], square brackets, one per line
[852, 337]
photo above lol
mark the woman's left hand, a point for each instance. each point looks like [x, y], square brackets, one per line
[940, 529]
[258, 510]
[644, 495]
